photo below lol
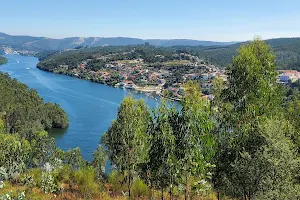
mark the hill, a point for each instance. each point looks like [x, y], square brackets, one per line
[286, 50]
[37, 44]
[2, 60]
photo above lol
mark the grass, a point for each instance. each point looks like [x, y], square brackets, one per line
[37, 194]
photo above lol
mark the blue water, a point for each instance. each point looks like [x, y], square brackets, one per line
[91, 107]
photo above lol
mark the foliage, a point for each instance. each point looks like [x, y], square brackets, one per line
[43, 148]
[2, 60]
[24, 111]
[117, 182]
[162, 165]
[194, 141]
[31, 178]
[139, 189]
[85, 178]
[48, 183]
[244, 144]
[14, 155]
[73, 158]
[10, 196]
[99, 162]
[127, 139]
[292, 113]
[286, 51]
[246, 160]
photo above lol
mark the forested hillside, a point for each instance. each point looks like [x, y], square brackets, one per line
[22, 109]
[244, 144]
[37, 44]
[287, 51]
[2, 60]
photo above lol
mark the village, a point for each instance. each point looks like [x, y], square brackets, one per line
[154, 73]
[165, 79]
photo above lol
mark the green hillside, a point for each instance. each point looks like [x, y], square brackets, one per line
[286, 50]
[42, 43]
[23, 110]
[2, 60]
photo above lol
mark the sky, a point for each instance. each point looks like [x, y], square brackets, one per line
[222, 20]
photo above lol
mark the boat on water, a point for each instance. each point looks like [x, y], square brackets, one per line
[27, 68]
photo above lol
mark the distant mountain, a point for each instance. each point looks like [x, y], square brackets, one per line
[36, 44]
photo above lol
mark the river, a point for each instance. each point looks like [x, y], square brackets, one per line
[91, 107]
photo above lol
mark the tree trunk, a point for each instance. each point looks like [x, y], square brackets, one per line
[129, 188]
[187, 186]
[171, 191]
[162, 193]
[218, 193]
[245, 196]
[152, 193]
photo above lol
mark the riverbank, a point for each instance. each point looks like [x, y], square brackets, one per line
[90, 107]
[147, 90]
[3, 60]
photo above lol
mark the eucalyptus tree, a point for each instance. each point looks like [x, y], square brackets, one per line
[194, 142]
[99, 161]
[42, 147]
[162, 159]
[249, 99]
[14, 155]
[126, 140]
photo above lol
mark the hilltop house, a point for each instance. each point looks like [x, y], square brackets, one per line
[288, 75]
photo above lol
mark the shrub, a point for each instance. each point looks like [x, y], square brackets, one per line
[85, 179]
[140, 189]
[66, 175]
[48, 183]
[31, 178]
[117, 182]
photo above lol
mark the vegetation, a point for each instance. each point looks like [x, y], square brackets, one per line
[248, 114]
[23, 111]
[286, 50]
[103, 55]
[140, 65]
[2, 60]
[32, 45]
[242, 145]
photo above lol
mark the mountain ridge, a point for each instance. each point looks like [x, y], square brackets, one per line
[32, 43]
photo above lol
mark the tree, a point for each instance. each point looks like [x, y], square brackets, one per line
[280, 159]
[249, 99]
[43, 148]
[99, 162]
[195, 144]
[162, 160]
[127, 139]
[14, 155]
[292, 113]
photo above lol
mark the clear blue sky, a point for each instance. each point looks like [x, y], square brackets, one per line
[222, 20]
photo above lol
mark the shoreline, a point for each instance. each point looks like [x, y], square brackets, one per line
[144, 90]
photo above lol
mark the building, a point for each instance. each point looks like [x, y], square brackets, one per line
[288, 75]
[204, 77]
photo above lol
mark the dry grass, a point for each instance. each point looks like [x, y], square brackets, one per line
[74, 194]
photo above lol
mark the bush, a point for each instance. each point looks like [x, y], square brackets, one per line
[140, 189]
[48, 183]
[85, 179]
[31, 178]
[66, 175]
[117, 183]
